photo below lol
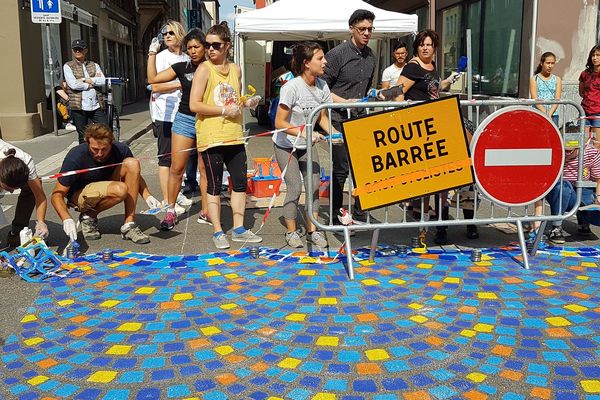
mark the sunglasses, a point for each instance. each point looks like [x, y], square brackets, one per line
[78, 50]
[215, 45]
[362, 29]
[165, 32]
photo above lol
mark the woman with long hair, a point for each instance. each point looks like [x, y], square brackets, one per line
[183, 131]
[298, 96]
[216, 98]
[547, 86]
[589, 90]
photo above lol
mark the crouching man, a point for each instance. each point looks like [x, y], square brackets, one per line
[97, 190]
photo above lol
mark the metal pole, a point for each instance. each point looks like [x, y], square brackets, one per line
[469, 74]
[52, 94]
[532, 62]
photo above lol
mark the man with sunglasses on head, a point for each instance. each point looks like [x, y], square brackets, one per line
[349, 74]
[82, 77]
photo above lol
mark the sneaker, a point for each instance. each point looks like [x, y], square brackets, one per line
[203, 218]
[556, 236]
[178, 209]
[134, 233]
[441, 236]
[89, 227]
[220, 241]
[584, 230]
[247, 237]
[169, 221]
[318, 239]
[293, 239]
[183, 201]
[70, 127]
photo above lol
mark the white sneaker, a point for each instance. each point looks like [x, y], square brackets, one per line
[70, 127]
[183, 201]
[179, 210]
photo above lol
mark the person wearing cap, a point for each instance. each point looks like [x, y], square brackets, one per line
[82, 77]
[349, 74]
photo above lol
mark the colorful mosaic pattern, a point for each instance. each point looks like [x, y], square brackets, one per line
[223, 325]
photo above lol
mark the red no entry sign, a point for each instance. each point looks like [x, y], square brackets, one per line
[517, 156]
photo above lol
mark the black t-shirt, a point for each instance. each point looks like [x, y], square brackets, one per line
[185, 73]
[427, 83]
[79, 157]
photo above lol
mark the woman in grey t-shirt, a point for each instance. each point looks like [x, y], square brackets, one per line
[297, 98]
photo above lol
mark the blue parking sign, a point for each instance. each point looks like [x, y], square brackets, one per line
[46, 12]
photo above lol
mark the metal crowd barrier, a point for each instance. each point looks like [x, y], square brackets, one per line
[397, 217]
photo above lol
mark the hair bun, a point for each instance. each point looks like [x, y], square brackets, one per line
[10, 152]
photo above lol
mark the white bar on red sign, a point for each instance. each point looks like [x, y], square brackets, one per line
[517, 157]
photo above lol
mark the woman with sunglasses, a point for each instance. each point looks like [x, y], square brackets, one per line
[165, 98]
[215, 97]
[184, 130]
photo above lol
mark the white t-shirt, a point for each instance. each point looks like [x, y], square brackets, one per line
[20, 154]
[163, 106]
[391, 74]
[301, 99]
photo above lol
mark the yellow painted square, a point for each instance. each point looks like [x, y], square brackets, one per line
[419, 319]
[439, 297]
[102, 376]
[309, 260]
[145, 290]
[377, 354]
[415, 306]
[543, 283]
[487, 295]
[296, 317]
[260, 273]
[210, 330]
[33, 341]
[367, 263]
[28, 318]
[591, 385]
[476, 377]
[483, 328]
[583, 278]
[568, 253]
[485, 257]
[229, 306]
[274, 398]
[109, 303]
[398, 281]
[558, 321]
[483, 263]
[328, 300]
[307, 272]
[549, 272]
[576, 308]
[588, 264]
[224, 350]
[212, 274]
[231, 276]
[370, 282]
[182, 296]
[324, 396]
[452, 279]
[36, 380]
[65, 302]
[215, 261]
[424, 266]
[119, 349]
[130, 327]
[328, 341]
[468, 333]
[289, 363]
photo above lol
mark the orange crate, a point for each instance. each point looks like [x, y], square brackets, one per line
[265, 187]
[264, 164]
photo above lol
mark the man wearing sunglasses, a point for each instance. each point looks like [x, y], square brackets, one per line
[349, 74]
[82, 77]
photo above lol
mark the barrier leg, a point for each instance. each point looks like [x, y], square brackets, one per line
[522, 244]
[349, 254]
[538, 239]
[374, 240]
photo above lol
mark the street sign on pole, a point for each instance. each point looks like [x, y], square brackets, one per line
[517, 155]
[46, 12]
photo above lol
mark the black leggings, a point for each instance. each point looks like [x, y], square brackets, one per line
[234, 157]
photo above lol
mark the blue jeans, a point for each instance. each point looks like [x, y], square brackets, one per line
[588, 196]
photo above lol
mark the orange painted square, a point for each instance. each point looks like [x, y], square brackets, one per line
[272, 296]
[226, 379]
[234, 288]
[542, 393]
[384, 271]
[269, 263]
[234, 358]
[259, 367]
[275, 282]
[435, 284]
[433, 325]
[73, 281]
[49, 398]
[475, 395]
[79, 319]
[170, 305]
[234, 264]
[367, 317]
[129, 261]
[576, 268]
[512, 375]
[47, 363]
[122, 274]
[512, 279]
[201, 342]
[502, 350]
[430, 256]
[580, 295]
[468, 309]
[251, 299]
[419, 395]
[363, 270]
[102, 284]
[237, 311]
[434, 340]
[267, 331]
[368, 368]
[547, 292]
[80, 332]
[479, 268]
[558, 332]
[401, 266]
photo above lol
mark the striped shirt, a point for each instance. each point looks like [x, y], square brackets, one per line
[591, 165]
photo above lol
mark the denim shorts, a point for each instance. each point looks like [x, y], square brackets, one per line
[594, 121]
[184, 125]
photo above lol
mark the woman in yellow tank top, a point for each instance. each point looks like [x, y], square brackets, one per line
[215, 97]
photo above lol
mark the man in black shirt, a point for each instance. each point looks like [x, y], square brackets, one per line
[116, 180]
[349, 74]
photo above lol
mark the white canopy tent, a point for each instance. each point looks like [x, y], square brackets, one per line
[317, 19]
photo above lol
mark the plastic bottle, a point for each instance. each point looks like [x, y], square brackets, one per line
[25, 237]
